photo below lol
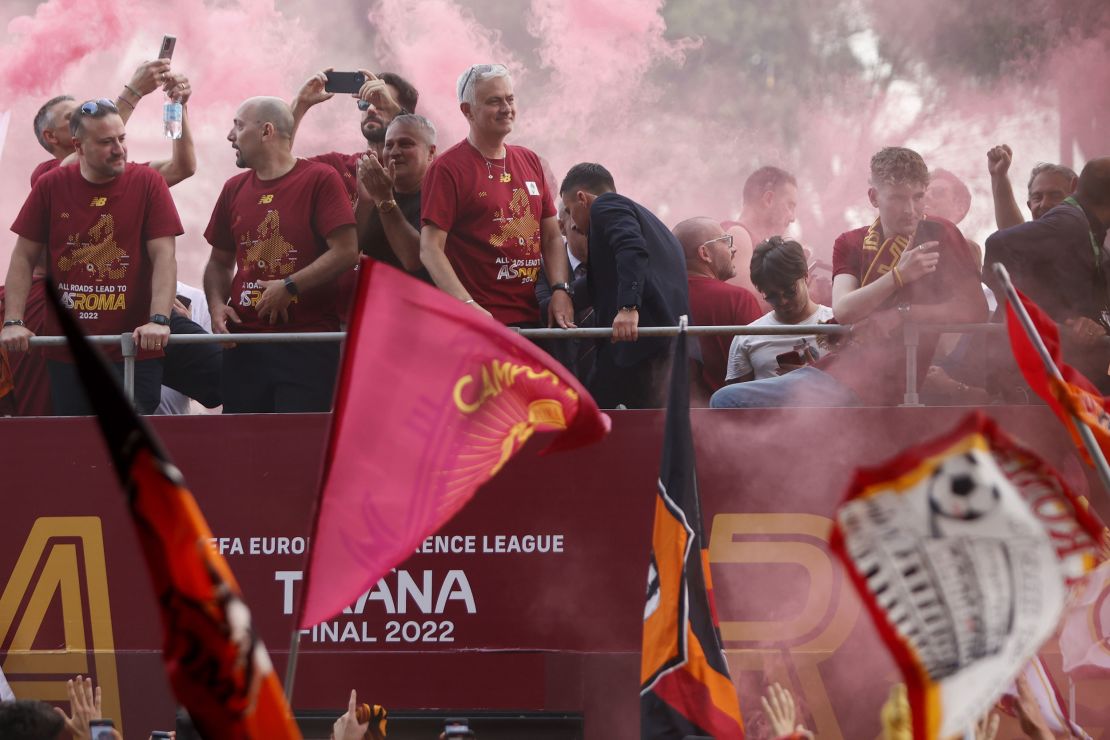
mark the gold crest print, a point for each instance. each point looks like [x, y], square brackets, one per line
[101, 255]
[270, 252]
[520, 227]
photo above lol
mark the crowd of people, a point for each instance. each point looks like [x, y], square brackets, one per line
[781, 718]
[488, 223]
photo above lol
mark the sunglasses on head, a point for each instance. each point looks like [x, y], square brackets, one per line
[91, 107]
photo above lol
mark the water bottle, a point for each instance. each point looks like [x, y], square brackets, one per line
[171, 119]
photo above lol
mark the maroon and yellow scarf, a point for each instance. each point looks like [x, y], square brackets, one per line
[883, 254]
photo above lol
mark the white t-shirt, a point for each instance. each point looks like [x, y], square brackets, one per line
[173, 402]
[757, 353]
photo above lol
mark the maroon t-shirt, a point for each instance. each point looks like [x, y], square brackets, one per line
[96, 237]
[42, 168]
[714, 302]
[346, 165]
[876, 370]
[275, 228]
[491, 211]
[30, 395]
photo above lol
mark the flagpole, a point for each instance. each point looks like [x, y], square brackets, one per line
[291, 667]
[1085, 432]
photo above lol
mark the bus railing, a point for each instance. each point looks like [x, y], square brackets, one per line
[911, 338]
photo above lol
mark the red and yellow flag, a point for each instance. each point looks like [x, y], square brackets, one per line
[1075, 394]
[433, 400]
[216, 664]
[963, 549]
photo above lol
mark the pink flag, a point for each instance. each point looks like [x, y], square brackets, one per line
[433, 400]
[1085, 638]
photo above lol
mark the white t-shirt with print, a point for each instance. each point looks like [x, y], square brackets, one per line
[757, 353]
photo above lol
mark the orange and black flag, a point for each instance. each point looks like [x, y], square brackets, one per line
[685, 688]
[217, 666]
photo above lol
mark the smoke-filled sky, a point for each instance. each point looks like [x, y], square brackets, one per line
[681, 100]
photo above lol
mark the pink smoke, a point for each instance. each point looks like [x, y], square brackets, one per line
[602, 83]
[60, 34]
[434, 52]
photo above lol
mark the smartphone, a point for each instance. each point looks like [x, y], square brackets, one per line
[790, 359]
[101, 729]
[166, 52]
[344, 82]
[927, 231]
[454, 728]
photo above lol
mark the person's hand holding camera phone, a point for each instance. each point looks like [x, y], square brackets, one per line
[375, 92]
[312, 92]
[103, 729]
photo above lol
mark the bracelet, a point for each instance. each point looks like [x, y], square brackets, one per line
[898, 277]
[126, 102]
[471, 300]
[14, 322]
[133, 91]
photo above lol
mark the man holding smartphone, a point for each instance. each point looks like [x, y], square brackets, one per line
[903, 267]
[52, 121]
[381, 97]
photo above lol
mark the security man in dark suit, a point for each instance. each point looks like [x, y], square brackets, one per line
[636, 277]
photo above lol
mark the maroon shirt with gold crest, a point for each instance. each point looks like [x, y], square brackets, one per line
[277, 227]
[96, 236]
[491, 211]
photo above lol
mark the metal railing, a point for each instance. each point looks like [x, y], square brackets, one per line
[911, 338]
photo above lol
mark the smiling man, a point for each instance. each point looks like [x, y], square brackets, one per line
[1049, 184]
[108, 230]
[281, 233]
[388, 208]
[489, 214]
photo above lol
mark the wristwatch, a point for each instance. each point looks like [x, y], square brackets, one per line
[14, 322]
[291, 286]
[563, 286]
[160, 318]
[387, 206]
